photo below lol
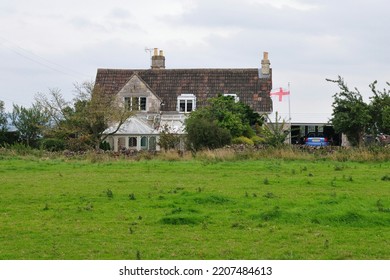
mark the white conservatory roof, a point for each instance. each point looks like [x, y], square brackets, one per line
[133, 126]
[174, 126]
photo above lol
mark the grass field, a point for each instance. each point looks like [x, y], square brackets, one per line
[194, 209]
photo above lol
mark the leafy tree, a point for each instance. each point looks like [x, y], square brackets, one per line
[3, 118]
[168, 140]
[351, 115]
[82, 123]
[96, 111]
[220, 121]
[380, 109]
[3, 123]
[30, 123]
[234, 116]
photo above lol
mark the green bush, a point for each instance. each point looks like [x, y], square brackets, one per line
[53, 144]
[243, 140]
[257, 140]
[205, 134]
[105, 146]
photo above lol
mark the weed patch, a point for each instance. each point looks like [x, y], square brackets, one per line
[269, 215]
[181, 220]
[381, 207]
[386, 178]
[348, 218]
[269, 195]
[109, 193]
[212, 199]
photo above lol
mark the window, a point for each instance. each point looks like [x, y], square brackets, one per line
[132, 142]
[152, 143]
[182, 106]
[189, 105]
[135, 103]
[186, 103]
[144, 143]
[142, 104]
[128, 103]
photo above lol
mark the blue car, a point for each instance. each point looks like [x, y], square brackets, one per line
[316, 140]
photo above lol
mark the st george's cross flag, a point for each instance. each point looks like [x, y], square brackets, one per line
[280, 109]
[280, 92]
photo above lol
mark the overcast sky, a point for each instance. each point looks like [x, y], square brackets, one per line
[53, 44]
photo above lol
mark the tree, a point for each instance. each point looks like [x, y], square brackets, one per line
[98, 111]
[168, 140]
[30, 122]
[216, 124]
[233, 116]
[82, 123]
[3, 123]
[380, 109]
[351, 115]
[3, 118]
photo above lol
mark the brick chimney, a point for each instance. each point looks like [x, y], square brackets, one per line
[265, 65]
[158, 59]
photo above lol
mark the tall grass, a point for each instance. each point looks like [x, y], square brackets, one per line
[240, 152]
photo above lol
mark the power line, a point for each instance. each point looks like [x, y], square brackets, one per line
[20, 51]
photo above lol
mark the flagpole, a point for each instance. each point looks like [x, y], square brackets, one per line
[289, 111]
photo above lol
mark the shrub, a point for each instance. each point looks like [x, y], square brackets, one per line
[243, 140]
[257, 140]
[205, 134]
[53, 144]
[105, 146]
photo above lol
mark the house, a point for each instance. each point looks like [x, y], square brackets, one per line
[162, 98]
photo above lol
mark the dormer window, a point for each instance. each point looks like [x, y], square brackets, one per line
[135, 103]
[186, 103]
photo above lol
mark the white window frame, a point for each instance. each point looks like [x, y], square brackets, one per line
[186, 98]
[137, 100]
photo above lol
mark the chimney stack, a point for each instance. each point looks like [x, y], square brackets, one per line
[265, 64]
[158, 59]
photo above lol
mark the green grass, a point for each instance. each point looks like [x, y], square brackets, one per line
[194, 209]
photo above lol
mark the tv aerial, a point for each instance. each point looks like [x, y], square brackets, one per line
[149, 50]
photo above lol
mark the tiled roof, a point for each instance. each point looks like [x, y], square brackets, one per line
[168, 84]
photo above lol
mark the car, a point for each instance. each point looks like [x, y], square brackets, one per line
[316, 140]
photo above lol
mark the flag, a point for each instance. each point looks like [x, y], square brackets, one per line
[280, 92]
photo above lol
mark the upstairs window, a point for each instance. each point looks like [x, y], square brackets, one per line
[135, 103]
[128, 103]
[186, 103]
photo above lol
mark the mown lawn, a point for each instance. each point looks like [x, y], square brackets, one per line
[154, 209]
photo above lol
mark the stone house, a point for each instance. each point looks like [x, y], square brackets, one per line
[162, 98]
